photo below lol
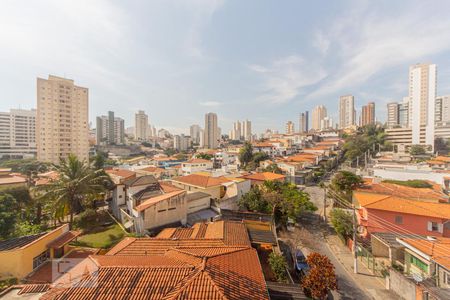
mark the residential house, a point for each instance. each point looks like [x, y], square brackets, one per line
[23, 255]
[117, 198]
[159, 173]
[195, 165]
[259, 178]
[10, 180]
[207, 261]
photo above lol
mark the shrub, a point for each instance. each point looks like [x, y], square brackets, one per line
[415, 183]
[342, 222]
[86, 219]
[278, 265]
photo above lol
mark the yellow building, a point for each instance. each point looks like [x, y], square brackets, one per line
[20, 256]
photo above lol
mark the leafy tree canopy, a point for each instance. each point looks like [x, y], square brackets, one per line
[321, 276]
[8, 215]
[342, 222]
[278, 265]
[204, 156]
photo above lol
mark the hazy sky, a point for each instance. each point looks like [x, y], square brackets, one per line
[262, 60]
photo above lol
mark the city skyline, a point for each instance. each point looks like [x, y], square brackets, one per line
[192, 75]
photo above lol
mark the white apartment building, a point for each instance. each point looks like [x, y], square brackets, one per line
[195, 131]
[347, 113]
[62, 119]
[326, 123]
[422, 97]
[247, 130]
[211, 131]
[181, 142]
[18, 133]
[110, 129]
[290, 127]
[236, 132]
[318, 114]
[140, 126]
[442, 110]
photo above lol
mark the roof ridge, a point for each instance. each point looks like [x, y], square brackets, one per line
[182, 285]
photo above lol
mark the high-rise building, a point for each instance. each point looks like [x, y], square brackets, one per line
[318, 114]
[442, 110]
[62, 119]
[303, 125]
[195, 133]
[181, 142]
[247, 130]
[110, 129]
[18, 133]
[236, 132]
[403, 113]
[326, 123]
[392, 114]
[368, 114]
[290, 128]
[211, 132]
[347, 113]
[140, 126]
[422, 97]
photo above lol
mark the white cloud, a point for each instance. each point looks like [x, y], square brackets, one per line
[285, 78]
[379, 42]
[321, 42]
[211, 103]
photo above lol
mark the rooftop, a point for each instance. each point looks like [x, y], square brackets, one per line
[197, 161]
[201, 180]
[438, 249]
[264, 176]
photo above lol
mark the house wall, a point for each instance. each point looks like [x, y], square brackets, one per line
[411, 223]
[413, 174]
[379, 249]
[214, 191]
[403, 287]
[165, 212]
[19, 262]
[198, 204]
[413, 269]
[440, 277]
[118, 198]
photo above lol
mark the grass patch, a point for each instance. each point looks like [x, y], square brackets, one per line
[101, 235]
[416, 183]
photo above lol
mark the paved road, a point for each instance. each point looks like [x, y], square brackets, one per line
[311, 238]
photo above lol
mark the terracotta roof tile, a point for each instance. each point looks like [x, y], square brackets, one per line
[264, 176]
[146, 203]
[197, 161]
[201, 180]
[63, 239]
[438, 249]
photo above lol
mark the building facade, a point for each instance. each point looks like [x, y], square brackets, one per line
[18, 133]
[181, 142]
[247, 130]
[368, 114]
[290, 127]
[62, 119]
[195, 132]
[318, 114]
[140, 126]
[442, 111]
[211, 132]
[304, 122]
[347, 114]
[110, 129]
[422, 97]
[392, 115]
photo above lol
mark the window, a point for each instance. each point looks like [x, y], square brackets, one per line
[398, 219]
[418, 263]
[40, 259]
[433, 226]
[446, 278]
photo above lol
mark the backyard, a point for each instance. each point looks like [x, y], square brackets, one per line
[104, 233]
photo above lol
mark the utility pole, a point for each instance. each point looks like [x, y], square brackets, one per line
[325, 203]
[355, 248]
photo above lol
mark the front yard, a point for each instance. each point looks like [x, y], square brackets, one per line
[104, 234]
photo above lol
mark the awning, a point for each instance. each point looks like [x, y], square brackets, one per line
[63, 239]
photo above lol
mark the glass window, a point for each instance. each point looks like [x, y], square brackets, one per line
[418, 263]
[398, 219]
[40, 259]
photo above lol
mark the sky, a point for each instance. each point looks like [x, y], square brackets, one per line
[265, 61]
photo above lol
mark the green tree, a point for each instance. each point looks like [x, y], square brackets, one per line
[170, 151]
[254, 201]
[246, 154]
[77, 186]
[8, 215]
[345, 181]
[99, 161]
[274, 169]
[278, 265]
[342, 222]
[417, 150]
[204, 156]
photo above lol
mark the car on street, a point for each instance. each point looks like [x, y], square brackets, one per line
[300, 264]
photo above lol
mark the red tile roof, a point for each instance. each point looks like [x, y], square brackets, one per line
[63, 239]
[264, 176]
[197, 161]
[201, 180]
[146, 203]
[438, 249]
[153, 169]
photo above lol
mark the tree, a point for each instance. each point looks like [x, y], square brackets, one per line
[278, 265]
[441, 146]
[99, 161]
[246, 154]
[345, 182]
[8, 215]
[320, 278]
[342, 222]
[170, 151]
[274, 169]
[204, 156]
[77, 185]
[417, 150]
[254, 201]
[259, 157]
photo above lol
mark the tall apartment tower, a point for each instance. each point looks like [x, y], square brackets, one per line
[422, 97]
[18, 133]
[140, 126]
[290, 127]
[110, 129]
[392, 114]
[347, 113]
[236, 132]
[247, 130]
[211, 132]
[368, 114]
[442, 111]
[62, 119]
[303, 125]
[195, 131]
[318, 114]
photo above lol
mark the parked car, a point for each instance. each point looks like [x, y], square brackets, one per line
[300, 262]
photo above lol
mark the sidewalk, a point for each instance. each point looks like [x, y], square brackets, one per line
[373, 285]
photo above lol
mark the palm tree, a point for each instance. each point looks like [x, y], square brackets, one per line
[76, 186]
